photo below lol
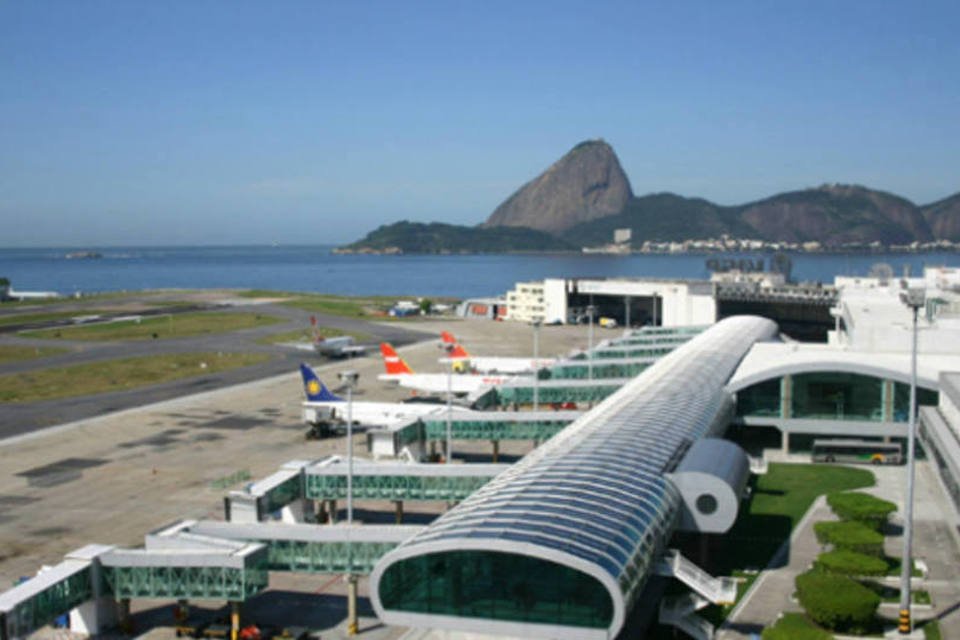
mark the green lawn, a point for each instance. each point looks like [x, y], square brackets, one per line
[179, 325]
[780, 499]
[795, 626]
[346, 306]
[15, 353]
[117, 375]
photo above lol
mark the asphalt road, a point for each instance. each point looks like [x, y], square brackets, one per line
[20, 418]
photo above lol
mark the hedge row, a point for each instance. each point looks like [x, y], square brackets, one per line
[851, 563]
[837, 602]
[850, 536]
[861, 507]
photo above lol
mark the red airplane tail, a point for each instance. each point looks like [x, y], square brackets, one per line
[392, 361]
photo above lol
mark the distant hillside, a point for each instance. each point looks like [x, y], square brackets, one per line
[435, 237]
[585, 184]
[944, 218]
[583, 197]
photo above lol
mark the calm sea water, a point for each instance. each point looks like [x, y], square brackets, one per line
[314, 268]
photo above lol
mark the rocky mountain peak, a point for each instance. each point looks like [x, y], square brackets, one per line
[585, 184]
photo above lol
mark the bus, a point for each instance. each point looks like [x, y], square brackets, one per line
[863, 451]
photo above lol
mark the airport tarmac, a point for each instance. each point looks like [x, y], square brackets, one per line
[113, 478]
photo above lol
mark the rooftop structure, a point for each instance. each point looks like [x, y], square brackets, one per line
[562, 544]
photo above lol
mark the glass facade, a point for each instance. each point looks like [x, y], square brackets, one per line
[497, 586]
[762, 399]
[901, 400]
[832, 395]
[837, 396]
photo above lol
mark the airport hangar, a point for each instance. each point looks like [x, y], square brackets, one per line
[592, 509]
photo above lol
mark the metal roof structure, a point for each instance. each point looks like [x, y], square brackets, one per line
[769, 360]
[562, 543]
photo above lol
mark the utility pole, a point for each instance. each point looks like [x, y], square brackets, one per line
[915, 300]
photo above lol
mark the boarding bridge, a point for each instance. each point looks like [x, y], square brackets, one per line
[179, 569]
[609, 351]
[309, 548]
[63, 588]
[397, 481]
[412, 435]
[599, 369]
[279, 493]
[516, 393]
[649, 340]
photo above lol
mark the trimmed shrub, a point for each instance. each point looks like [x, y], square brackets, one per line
[837, 602]
[851, 563]
[850, 536]
[861, 507]
[795, 626]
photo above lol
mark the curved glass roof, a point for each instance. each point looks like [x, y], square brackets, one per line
[595, 493]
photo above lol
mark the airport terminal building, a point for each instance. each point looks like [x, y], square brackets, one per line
[567, 542]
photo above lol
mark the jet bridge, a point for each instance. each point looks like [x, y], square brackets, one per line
[397, 481]
[307, 548]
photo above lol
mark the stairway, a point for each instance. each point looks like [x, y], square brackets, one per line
[722, 591]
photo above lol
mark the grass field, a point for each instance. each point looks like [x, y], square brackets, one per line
[795, 626]
[180, 325]
[346, 306]
[15, 353]
[117, 375]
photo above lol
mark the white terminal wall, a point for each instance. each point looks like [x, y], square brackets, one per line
[681, 303]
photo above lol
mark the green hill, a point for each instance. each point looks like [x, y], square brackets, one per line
[436, 237]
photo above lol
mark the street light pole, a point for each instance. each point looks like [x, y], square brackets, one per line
[449, 409]
[349, 378]
[590, 311]
[914, 299]
[536, 364]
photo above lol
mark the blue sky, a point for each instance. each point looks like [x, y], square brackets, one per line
[252, 122]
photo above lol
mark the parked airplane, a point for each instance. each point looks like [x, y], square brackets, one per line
[460, 384]
[323, 406]
[490, 364]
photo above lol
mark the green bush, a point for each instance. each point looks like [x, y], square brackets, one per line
[837, 602]
[795, 626]
[861, 507]
[850, 536]
[851, 563]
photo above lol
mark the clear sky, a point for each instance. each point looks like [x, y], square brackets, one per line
[197, 122]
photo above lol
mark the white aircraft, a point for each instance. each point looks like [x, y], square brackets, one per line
[322, 405]
[459, 384]
[490, 364]
[335, 347]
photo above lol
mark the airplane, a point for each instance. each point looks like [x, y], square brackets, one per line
[490, 364]
[461, 384]
[322, 405]
[333, 347]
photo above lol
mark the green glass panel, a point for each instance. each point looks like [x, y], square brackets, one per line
[837, 396]
[901, 400]
[499, 586]
[762, 399]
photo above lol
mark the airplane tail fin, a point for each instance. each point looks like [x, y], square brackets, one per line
[392, 361]
[455, 349]
[315, 390]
